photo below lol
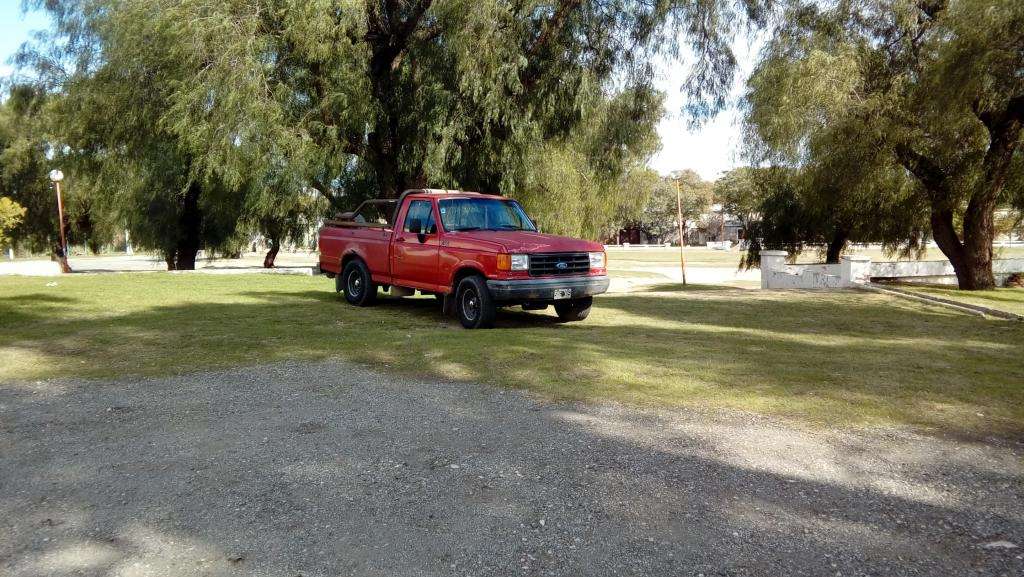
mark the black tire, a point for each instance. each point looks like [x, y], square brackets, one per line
[574, 310]
[474, 305]
[357, 284]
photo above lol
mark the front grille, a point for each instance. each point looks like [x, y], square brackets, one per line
[544, 264]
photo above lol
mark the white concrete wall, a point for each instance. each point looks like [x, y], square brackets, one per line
[30, 268]
[856, 270]
[776, 274]
[937, 268]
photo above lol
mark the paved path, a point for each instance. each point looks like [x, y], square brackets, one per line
[330, 469]
[146, 263]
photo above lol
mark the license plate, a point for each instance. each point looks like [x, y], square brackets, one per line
[563, 294]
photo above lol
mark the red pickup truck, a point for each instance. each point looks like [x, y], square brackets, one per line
[474, 251]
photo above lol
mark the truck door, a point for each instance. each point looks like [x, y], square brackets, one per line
[414, 257]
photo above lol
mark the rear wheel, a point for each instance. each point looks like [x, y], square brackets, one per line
[574, 310]
[357, 284]
[474, 305]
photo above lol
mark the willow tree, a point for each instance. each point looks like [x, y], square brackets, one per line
[24, 169]
[109, 70]
[182, 114]
[930, 89]
[381, 96]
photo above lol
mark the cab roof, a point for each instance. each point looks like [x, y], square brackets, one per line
[445, 192]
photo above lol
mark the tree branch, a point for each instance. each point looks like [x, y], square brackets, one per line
[550, 29]
[923, 168]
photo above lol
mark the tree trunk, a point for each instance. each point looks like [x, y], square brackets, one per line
[275, 246]
[973, 267]
[61, 258]
[191, 223]
[836, 246]
[979, 232]
[390, 31]
[1004, 129]
[170, 260]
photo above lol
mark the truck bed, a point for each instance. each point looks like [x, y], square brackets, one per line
[371, 241]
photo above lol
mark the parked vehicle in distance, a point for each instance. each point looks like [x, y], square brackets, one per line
[476, 252]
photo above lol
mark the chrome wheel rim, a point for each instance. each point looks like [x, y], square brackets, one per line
[470, 304]
[355, 283]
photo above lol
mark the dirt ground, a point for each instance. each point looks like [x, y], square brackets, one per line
[332, 469]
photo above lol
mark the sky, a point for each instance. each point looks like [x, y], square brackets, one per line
[714, 148]
[710, 150]
[16, 28]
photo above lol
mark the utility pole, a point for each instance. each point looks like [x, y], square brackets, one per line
[679, 223]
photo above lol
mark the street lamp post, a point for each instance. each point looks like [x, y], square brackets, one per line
[56, 176]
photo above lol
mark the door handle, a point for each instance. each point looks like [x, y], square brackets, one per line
[400, 239]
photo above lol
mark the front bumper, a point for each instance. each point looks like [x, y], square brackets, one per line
[543, 289]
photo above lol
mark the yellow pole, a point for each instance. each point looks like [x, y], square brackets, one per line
[679, 223]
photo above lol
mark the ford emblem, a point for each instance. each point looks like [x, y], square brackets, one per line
[562, 265]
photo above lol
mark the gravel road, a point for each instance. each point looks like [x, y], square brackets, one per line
[332, 469]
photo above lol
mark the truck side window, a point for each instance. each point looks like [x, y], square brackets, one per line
[421, 210]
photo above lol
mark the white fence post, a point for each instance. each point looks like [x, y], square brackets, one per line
[856, 270]
[771, 261]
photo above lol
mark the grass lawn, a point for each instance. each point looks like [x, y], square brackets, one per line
[1004, 299]
[822, 358]
[695, 256]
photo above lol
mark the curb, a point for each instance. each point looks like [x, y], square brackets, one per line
[979, 310]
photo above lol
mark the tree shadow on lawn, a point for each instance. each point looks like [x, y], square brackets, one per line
[839, 358]
[26, 308]
[226, 474]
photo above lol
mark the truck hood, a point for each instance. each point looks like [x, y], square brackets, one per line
[526, 242]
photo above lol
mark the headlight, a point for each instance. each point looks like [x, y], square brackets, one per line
[597, 260]
[520, 262]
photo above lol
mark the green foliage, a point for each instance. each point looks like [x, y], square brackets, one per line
[589, 182]
[659, 219]
[11, 214]
[738, 192]
[24, 168]
[389, 96]
[907, 110]
[194, 121]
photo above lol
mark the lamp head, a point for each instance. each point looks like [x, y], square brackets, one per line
[56, 175]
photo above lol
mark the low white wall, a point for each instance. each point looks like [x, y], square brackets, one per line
[807, 279]
[856, 270]
[30, 268]
[939, 270]
[777, 274]
[829, 269]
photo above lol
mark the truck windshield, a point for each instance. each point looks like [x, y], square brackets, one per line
[458, 214]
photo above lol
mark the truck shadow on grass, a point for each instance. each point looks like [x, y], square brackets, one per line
[822, 358]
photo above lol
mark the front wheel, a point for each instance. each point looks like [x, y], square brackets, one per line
[357, 284]
[474, 305]
[574, 310]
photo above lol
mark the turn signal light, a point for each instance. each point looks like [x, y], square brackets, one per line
[513, 262]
